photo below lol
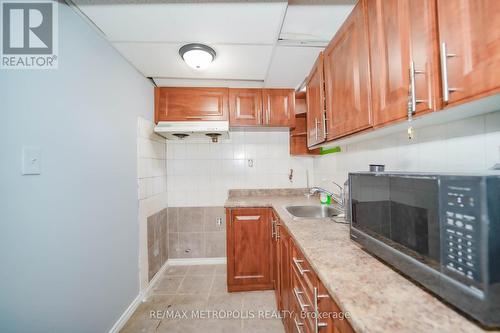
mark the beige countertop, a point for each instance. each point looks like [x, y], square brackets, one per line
[377, 298]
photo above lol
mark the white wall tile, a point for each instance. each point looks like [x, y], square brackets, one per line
[151, 164]
[467, 145]
[202, 173]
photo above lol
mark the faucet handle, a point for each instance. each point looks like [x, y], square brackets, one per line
[340, 187]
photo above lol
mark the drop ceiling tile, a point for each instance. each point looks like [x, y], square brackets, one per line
[314, 22]
[290, 66]
[251, 23]
[234, 62]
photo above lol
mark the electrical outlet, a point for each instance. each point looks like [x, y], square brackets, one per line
[219, 221]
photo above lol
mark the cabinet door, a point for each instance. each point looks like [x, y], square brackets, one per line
[316, 104]
[284, 275]
[347, 77]
[245, 107]
[402, 32]
[424, 53]
[470, 30]
[275, 225]
[249, 249]
[279, 107]
[191, 104]
[390, 57]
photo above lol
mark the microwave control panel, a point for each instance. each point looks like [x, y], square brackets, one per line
[460, 228]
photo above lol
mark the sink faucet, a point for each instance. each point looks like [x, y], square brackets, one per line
[339, 198]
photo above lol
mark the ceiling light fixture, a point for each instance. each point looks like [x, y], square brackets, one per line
[197, 56]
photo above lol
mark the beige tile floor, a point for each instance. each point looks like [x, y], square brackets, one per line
[203, 288]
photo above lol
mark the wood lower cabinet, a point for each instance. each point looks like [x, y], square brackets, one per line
[191, 104]
[403, 57]
[284, 269]
[276, 258]
[248, 249]
[347, 77]
[278, 107]
[245, 107]
[317, 310]
[470, 32]
[262, 255]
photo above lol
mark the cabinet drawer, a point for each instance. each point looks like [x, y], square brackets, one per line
[304, 272]
[298, 324]
[302, 306]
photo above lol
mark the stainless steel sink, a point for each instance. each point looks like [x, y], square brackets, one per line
[312, 212]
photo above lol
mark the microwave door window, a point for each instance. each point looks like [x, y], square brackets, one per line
[402, 212]
[371, 205]
[415, 218]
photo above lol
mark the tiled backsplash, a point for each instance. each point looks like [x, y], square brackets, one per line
[152, 194]
[471, 144]
[193, 232]
[200, 174]
[151, 168]
[157, 242]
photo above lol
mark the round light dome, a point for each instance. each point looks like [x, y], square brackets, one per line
[197, 56]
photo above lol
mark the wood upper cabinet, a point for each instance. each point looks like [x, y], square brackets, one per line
[278, 107]
[347, 77]
[315, 92]
[403, 57]
[298, 135]
[470, 30]
[245, 107]
[248, 249]
[190, 104]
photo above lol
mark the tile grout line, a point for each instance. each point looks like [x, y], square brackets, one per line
[212, 284]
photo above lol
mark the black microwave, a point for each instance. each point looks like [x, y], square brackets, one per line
[442, 230]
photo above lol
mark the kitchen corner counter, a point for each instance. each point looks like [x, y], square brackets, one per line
[378, 298]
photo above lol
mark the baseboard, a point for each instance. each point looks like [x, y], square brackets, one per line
[137, 301]
[196, 261]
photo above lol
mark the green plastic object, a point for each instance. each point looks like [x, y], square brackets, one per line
[325, 199]
[324, 151]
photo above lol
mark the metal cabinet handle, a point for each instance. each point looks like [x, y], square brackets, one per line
[325, 128]
[297, 263]
[317, 323]
[297, 294]
[444, 72]
[316, 128]
[298, 325]
[248, 218]
[273, 229]
[414, 101]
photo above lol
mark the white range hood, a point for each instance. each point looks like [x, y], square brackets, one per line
[188, 130]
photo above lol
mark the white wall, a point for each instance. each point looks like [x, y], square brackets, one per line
[151, 185]
[200, 174]
[69, 237]
[471, 144]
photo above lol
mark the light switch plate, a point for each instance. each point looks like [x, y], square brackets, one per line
[31, 161]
